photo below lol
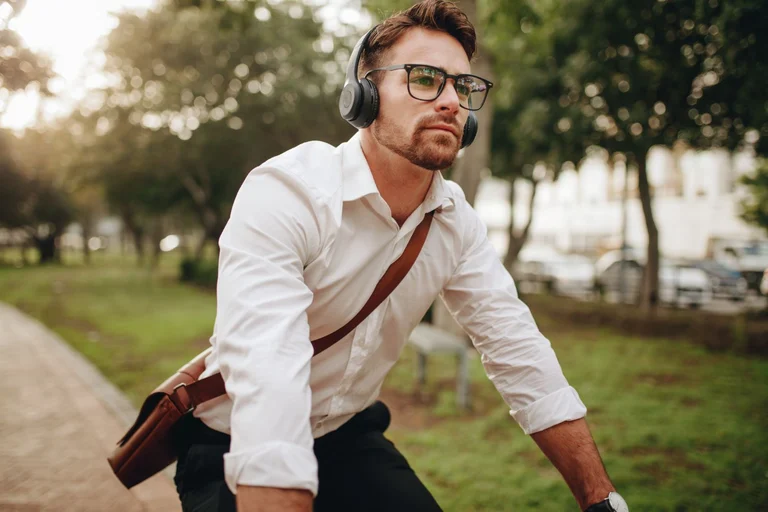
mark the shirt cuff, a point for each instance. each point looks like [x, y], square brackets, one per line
[274, 464]
[562, 405]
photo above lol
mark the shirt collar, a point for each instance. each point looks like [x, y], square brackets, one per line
[358, 180]
[356, 174]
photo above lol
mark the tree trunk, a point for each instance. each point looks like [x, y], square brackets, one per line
[199, 251]
[649, 294]
[212, 229]
[86, 224]
[517, 241]
[157, 236]
[468, 170]
[24, 246]
[138, 242]
[137, 234]
[46, 247]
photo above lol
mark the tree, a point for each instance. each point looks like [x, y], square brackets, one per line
[126, 163]
[35, 206]
[645, 74]
[526, 140]
[528, 127]
[19, 66]
[755, 206]
[13, 187]
[211, 92]
[29, 202]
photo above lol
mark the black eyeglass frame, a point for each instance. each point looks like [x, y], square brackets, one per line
[409, 67]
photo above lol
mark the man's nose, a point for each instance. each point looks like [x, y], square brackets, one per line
[448, 99]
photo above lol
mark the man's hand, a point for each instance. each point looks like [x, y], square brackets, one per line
[571, 449]
[273, 499]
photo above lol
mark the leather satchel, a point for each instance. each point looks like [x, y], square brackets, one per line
[148, 447]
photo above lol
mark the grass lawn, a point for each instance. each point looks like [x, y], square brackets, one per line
[680, 428]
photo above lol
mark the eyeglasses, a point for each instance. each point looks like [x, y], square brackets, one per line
[426, 83]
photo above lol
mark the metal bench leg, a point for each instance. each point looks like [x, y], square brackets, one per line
[462, 381]
[422, 370]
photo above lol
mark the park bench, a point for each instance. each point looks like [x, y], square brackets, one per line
[427, 340]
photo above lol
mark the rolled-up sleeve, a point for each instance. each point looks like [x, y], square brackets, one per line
[262, 335]
[518, 359]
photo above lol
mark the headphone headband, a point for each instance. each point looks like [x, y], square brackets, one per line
[356, 57]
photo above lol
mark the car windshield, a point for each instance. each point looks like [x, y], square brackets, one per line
[756, 249]
[716, 268]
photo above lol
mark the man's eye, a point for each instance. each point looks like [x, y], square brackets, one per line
[462, 89]
[424, 80]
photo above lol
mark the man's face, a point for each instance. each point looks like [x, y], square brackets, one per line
[427, 133]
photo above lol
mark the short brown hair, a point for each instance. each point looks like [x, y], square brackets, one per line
[438, 15]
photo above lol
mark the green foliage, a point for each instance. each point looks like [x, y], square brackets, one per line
[208, 93]
[755, 206]
[722, 333]
[20, 67]
[741, 26]
[29, 200]
[199, 271]
[528, 125]
[648, 73]
[630, 75]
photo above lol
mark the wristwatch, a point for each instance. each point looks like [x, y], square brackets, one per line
[613, 503]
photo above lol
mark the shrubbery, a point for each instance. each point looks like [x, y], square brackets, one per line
[203, 272]
[737, 333]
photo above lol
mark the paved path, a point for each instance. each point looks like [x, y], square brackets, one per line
[56, 429]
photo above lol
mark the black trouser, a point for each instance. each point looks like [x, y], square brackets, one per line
[359, 469]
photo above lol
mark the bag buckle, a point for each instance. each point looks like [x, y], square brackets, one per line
[182, 400]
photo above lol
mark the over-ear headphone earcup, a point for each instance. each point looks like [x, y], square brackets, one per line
[369, 104]
[470, 130]
[359, 100]
[350, 101]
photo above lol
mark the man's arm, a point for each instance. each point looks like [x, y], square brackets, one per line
[262, 341]
[272, 499]
[570, 447]
[520, 362]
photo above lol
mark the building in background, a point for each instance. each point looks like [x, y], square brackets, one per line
[696, 203]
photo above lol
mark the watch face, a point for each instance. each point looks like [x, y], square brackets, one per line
[617, 502]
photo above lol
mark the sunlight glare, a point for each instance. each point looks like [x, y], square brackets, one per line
[67, 32]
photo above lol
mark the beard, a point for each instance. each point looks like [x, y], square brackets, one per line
[429, 149]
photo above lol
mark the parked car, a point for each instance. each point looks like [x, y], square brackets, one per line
[727, 282]
[545, 270]
[750, 257]
[680, 284]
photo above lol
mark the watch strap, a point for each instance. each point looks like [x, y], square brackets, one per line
[603, 506]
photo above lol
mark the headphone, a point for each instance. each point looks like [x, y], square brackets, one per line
[359, 100]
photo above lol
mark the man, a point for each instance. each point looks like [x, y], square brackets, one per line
[311, 233]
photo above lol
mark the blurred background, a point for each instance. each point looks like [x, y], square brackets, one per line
[620, 169]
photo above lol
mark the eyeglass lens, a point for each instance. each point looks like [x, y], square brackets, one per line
[425, 83]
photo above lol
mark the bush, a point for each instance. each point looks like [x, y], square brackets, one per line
[739, 333]
[203, 273]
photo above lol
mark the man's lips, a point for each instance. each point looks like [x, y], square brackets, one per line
[444, 127]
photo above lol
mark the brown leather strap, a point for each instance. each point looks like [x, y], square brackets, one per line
[389, 281]
[211, 387]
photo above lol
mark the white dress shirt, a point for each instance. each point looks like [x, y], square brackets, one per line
[308, 239]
